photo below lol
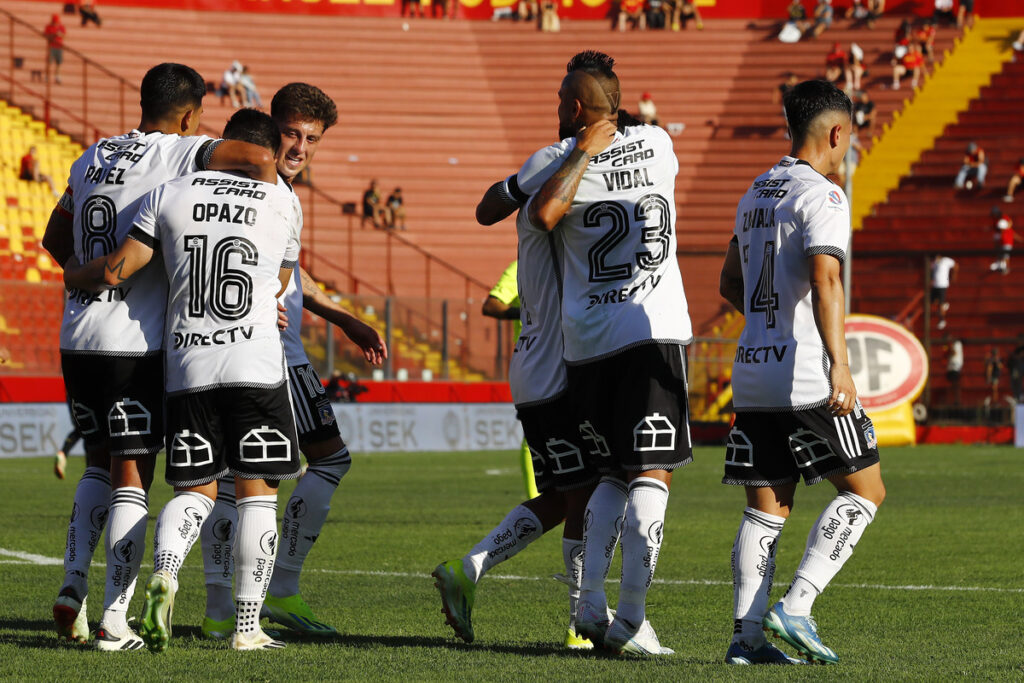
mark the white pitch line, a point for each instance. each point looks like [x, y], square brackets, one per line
[29, 558]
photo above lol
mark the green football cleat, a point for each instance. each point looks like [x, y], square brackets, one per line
[457, 595]
[574, 641]
[157, 611]
[218, 630]
[293, 612]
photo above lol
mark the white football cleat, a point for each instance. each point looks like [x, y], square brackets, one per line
[115, 639]
[71, 616]
[258, 640]
[625, 637]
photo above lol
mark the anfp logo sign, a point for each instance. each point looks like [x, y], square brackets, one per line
[888, 363]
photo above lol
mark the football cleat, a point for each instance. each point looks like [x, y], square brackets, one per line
[257, 640]
[625, 637]
[800, 632]
[293, 612]
[60, 463]
[574, 641]
[71, 616]
[592, 622]
[157, 611]
[766, 654]
[115, 640]
[218, 630]
[457, 595]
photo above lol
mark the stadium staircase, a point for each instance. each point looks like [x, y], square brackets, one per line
[445, 108]
[924, 215]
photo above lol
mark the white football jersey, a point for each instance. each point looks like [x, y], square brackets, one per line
[223, 239]
[621, 281]
[537, 371]
[294, 350]
[105, 187]
[790, 213]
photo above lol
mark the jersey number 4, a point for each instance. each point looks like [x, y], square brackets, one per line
[618, 216]
[230, 289]
[765, 299]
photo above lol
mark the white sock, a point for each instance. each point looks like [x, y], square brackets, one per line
[572, 556]
[519, 529]
[304, 517]
[177, 528]
[753, 568]
[126, 541]
[829, 546]
[88, 516]
[254, 552]
[217, 538]
[602, 524]
[641, 544]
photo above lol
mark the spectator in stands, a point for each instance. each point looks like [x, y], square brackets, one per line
[528, 10]
[955, 367]
[682, 12]
[373, 209]
[647, 110]
[657, 12]
[1015, 180]
[944, 11]
[1004, 235]
[993, 368]
[796, 22]
[549, 22]
[973, 170]
[231, 85]
[855, 69]
[966, 8]
[925, 37]
[1018, 44]
[875, 9]
[943, 272]
[1016, 365]
[252, 95]
[632, 11]
[835, 64]
[904, 36]
[864, 114]
[823, 14]
[396, 209]
[30, 171]
[54, 33]
[412, 6]
[87, 10]
[912, 63]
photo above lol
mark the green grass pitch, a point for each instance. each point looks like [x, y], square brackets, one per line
[935, 590]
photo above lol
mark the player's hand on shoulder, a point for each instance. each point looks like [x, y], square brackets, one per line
[596, 137]
[844, 392]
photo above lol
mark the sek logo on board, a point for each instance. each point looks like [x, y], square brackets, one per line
[386, 427]
[888, 363]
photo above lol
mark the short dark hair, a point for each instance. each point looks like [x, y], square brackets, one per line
[250, 125]
[168, 88]
[592, 62]
[810, 99]
[306, 102]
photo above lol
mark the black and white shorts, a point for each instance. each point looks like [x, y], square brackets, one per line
[245, 431]
[775, 448]
[633, 410]
[314, 417]
[560, 456]
[117, 402]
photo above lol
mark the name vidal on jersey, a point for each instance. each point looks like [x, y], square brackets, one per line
[627, 180]
[216, 338]
[619, 296]
[748, 354]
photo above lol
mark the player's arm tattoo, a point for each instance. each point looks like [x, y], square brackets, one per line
[115, 270]
[554, 199]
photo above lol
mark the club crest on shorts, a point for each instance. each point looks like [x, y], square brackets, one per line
[654, 433]
[84, 418]
[326, 415]
[739, 452]
[600, 445]
[869, 435]
[189, 449]
[565, 456]
[128, 417]
[264, 445]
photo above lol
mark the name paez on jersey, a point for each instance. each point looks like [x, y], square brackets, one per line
[100, 174]
[622, 295]
[227, 335]
[760, 354]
